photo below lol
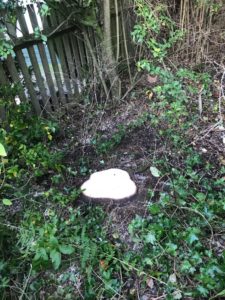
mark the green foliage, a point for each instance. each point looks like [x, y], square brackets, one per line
[2, 151]
[177, 239]
[6, 44]
[180, 232]
[104, 145]
[6, 48]
[173, 107]
[39, 35]
[26, 140]
[153, 22]
[49, 244]
[40, 240]
[45, 10]
[50, 233]
[48, 239]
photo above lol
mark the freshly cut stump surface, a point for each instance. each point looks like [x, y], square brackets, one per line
[111, 184]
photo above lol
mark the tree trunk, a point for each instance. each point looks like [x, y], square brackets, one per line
[110, 62]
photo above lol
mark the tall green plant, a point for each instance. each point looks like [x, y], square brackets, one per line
[155, 29]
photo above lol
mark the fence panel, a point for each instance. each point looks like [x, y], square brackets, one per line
[54, 72]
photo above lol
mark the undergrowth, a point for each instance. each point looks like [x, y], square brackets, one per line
[52, 248]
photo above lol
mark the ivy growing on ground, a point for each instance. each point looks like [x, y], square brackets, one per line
[179, 238]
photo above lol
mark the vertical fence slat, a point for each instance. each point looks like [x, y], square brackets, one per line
[3, 77]
[83, 58]
[68, 57]
[28, 81]
[22, 22]
[37, 72]
[39, 78]
[15, 76]
[76, 55]
[35, 64]
[10, 63]
[58, 43]
[48, 75]
[56, 71]
[44, 59]
[90, 32]
[70, 62]
[88, 54]
[61, 57]
[11, 30]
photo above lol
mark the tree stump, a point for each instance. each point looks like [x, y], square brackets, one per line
[112, 186]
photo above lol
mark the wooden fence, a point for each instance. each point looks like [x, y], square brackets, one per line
[54, 73]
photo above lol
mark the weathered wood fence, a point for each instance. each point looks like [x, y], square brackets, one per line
[54, 73]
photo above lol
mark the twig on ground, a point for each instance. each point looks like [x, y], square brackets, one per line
[25, 284]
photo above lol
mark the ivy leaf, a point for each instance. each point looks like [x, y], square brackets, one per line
[44, 38]
[55, 258]
[201, 196]
[45, 10]
[150, 238]
[66, 249]
[2, 151]
[155, 172]
[192, 236]
[148, 261]
[173, 278]
[186, 267]
[203, 291]
[177, 295]
[171, 248]
[7, 202]
[154, 209]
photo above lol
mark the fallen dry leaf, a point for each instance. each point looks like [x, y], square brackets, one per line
[150, 283]
[150, 94]
[152, 79]
[222, 160]
[103, 264]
